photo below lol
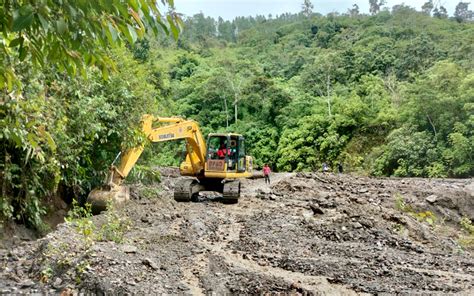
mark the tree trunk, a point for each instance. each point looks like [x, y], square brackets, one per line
[235, 110]
[432, 124]
[328, 89]
[226, 113]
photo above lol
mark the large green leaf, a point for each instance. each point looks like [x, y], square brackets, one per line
[22, 21]
[173, 27]
[61, 26]
[112, 31]
[44, 22]
[16, 42]
[133, 33]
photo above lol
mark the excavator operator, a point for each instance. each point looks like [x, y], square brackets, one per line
[222, 151]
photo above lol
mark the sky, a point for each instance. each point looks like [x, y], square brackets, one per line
[229, 9]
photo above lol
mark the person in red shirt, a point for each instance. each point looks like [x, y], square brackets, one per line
[222, 151]
[266, 173]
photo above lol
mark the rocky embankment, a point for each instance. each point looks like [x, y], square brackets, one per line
[306, 233]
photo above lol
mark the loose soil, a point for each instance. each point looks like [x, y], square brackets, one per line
[305, 233]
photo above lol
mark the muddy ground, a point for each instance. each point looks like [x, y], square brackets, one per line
[306, 233]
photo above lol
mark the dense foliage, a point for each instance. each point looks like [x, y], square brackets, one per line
[386, 94]
[59, 129]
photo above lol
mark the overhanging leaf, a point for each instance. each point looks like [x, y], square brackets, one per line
[21, 22]
[133, 33]
[105, 72]
[43, 22]
[61, 26]
[31, 139]
[16, 42]
[47, 136]
[112, 31]
[173, 27]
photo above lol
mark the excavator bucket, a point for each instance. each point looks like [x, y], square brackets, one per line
[100, 197]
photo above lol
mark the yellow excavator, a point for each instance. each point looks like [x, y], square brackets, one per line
[214, 166]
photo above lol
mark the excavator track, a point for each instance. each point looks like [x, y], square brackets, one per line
[231, 192]
[185, 189]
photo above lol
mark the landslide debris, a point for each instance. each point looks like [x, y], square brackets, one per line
[307, 233]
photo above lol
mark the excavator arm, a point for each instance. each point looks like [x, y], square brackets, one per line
[175, 129]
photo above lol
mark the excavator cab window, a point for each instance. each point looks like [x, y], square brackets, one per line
[215, 143]
[217, 152]
[225, 150]
[241, 156]
[232, 155]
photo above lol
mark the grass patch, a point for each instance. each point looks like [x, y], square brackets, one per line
[466, 240]
[422, 216]
[113, 229]
[150, 192]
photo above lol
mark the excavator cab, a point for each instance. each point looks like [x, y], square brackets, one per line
[226, 154]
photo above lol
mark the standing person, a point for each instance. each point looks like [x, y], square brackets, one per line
[340, 169]
[325, 167]
[266, 173]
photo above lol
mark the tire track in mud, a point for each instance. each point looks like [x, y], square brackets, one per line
[190, 268]
[229, 232]
[191, 274]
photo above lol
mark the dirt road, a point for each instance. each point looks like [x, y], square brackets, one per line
[303, 234]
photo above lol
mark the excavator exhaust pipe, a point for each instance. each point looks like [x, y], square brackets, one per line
[99, 198]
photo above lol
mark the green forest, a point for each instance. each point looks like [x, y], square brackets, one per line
[385, 94]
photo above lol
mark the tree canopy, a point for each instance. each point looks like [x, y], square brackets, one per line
[73, 34]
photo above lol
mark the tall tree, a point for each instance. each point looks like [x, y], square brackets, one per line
[375, 6]
[440, 12]
[307, 8]
[427, 7]
[354, 11]
[226, 30]
[462, 12]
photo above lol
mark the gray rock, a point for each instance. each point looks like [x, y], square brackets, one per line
[316, 209]
[323, 194]
[150, 263]
[27, 283]
[57, 284]
[432, 198]
[129, 249]
[264, 190]
[470, 189]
